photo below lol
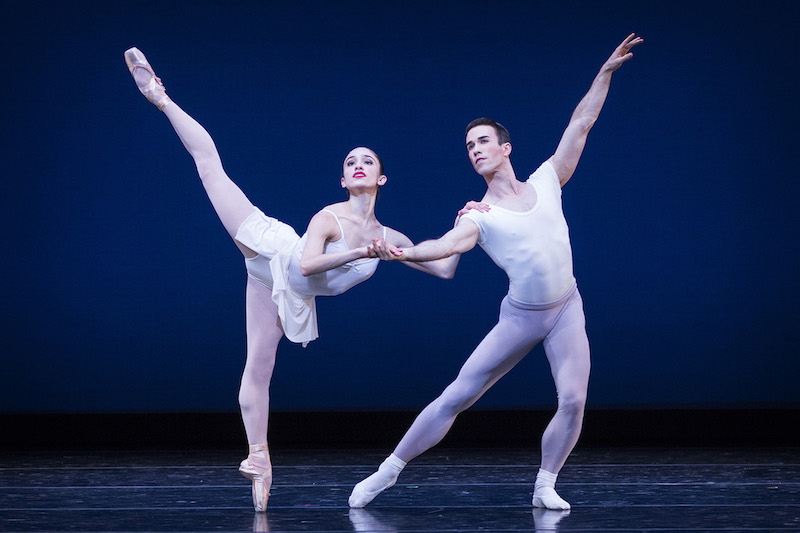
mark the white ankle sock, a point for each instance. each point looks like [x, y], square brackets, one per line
[386, 476]
[544, 492]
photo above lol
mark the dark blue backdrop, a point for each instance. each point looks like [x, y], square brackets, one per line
[122, 292]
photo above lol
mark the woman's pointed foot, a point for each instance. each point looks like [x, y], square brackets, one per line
[146, 80]
[258, 468]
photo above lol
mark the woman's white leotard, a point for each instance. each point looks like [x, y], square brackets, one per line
[277, 266]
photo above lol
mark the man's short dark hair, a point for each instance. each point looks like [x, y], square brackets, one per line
[502, 133]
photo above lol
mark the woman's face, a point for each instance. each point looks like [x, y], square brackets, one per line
[362, 170]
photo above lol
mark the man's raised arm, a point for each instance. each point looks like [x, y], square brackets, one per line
[570, 148]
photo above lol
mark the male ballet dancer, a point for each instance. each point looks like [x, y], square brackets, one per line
[521, 226]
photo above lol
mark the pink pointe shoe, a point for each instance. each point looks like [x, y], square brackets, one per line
[153, 90]
[253, 468]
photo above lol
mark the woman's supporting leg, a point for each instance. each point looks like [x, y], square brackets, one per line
[263, 335]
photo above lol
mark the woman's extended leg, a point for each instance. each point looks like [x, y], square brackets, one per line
[230, 203]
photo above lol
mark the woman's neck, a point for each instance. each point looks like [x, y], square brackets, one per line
[362, 206]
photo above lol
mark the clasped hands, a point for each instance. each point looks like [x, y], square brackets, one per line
[384, 251]
[388, 252]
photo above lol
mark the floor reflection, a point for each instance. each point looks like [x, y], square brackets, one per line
[547, 520]
[456, 490]
[260, 522]
[363, 520]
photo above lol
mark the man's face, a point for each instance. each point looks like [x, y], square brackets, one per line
[483, 151]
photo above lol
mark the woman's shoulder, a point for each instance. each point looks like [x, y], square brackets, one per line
[336, 208]
[326, 222]
[330, 212]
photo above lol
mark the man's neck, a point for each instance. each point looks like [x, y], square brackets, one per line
[502, 182]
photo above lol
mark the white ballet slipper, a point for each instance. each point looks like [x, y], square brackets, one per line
[548, 498]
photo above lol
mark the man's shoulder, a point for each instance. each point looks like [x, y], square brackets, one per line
[545, 176]
[473, 219]
[545, 170]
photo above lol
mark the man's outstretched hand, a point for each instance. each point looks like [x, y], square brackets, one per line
[622, 52]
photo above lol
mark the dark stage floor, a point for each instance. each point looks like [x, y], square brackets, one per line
[611, 489]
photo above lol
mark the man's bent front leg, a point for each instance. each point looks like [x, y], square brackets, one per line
[567, 349]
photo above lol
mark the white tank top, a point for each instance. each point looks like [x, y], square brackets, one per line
[532, 247]
[337, 280]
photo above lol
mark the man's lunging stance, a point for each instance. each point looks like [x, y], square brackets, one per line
[521, 226]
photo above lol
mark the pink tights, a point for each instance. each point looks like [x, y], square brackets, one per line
[263, 327]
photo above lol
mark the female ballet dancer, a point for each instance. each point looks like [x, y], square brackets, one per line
[285, 271]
